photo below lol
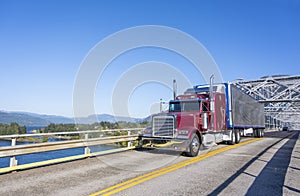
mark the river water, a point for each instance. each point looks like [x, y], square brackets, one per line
[43, 156]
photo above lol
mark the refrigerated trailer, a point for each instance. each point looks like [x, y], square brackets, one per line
[245, 113]
[205, 115]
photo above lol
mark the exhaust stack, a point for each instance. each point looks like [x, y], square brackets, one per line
[174, 89]
[212, 103]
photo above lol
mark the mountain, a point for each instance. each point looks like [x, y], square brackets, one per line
[33, 119]
[21, 119]
[51, 118]
[106, 117]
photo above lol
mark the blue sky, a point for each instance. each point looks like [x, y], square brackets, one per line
[42, 44]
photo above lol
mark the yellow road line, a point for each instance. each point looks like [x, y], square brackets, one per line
[148, 176]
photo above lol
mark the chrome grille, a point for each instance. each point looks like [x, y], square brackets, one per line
[163, 126]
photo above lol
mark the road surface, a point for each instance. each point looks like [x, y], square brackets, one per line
[270, 166]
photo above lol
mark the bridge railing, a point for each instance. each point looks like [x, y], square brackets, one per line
[86, 140]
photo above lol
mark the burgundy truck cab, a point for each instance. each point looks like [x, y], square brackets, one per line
[183, 126]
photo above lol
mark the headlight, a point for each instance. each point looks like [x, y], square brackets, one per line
[183, 132]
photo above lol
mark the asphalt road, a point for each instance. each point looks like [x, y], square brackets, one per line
[270, 166]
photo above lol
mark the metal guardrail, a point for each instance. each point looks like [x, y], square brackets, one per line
[15, 150]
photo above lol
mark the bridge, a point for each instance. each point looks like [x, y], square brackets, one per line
[255, 166]
[281, 95]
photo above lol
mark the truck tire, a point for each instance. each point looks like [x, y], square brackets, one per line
[194, 147]
[259, 133]
[233, 137]
[262, 132]
[237, 136]
[255, 132]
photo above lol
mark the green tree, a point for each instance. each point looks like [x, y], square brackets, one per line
[12, 128]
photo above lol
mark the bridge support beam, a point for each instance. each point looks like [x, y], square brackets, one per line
[87, 150]
[129, 143]
[13, 161]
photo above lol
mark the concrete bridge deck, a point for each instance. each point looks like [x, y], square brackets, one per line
[269, 166]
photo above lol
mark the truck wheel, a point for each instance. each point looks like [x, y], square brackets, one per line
[233, 137]
[194, 147]
[237, 136]
[255, 133]
[260, 133]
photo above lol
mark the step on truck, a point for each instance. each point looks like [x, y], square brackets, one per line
[205, 115]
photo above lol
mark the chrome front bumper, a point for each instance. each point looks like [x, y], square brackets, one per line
[176, 144]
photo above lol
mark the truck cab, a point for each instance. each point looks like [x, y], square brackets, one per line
[188, 118]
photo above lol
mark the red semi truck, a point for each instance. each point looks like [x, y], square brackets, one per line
[205, 114]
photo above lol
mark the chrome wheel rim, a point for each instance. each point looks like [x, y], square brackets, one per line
[195, 144]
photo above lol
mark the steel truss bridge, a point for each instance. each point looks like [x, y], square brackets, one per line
[281, 96]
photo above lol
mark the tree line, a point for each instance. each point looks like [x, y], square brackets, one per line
[11, 129]
[104, 125]
[15, 128]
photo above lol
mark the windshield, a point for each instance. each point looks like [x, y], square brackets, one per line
[184, 106]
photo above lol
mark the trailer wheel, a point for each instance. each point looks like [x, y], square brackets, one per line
[262, 132]
[255, 132]
[237, 136]
[259, 133]
[194, 147]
